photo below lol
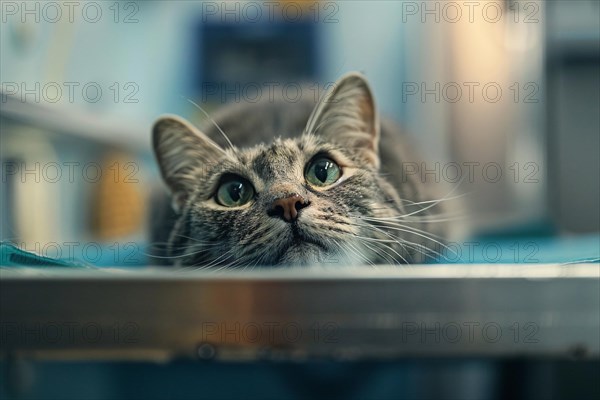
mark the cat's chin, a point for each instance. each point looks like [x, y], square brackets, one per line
[304, 253]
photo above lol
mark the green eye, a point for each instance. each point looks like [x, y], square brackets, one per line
[322, 172]
[234, 192]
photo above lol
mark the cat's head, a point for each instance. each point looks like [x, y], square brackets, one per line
[306, 200]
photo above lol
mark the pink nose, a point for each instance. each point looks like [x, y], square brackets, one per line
[288, 207]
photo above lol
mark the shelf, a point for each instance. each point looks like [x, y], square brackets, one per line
[132, 135]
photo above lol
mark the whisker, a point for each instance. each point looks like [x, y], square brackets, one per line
[402, 242]
[383, 241]
[426, 237]
[386, 223]
[349, 247]
[214, 123]
[376, 250]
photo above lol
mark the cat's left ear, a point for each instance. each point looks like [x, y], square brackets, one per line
[347, 115]
[182, 151]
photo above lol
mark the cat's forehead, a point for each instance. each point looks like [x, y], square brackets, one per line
[280, 156]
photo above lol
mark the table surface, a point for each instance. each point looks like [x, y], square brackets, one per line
[513, 310]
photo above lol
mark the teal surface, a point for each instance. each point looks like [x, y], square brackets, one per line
[487, 250]
[12, 256]
[523, 250]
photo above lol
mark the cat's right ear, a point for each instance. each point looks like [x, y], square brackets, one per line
[347, 114]
[182, 151]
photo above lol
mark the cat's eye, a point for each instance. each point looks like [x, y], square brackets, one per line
[234, 191]
[322, 172]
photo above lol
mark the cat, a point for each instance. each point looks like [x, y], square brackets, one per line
[292, 184]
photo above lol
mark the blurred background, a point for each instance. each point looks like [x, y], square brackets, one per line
[499, 96]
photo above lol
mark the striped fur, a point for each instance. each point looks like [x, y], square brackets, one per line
[372, 215]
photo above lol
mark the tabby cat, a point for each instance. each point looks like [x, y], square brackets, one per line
[288, 184]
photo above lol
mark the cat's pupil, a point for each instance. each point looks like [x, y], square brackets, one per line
[235, 191]
[321, 170]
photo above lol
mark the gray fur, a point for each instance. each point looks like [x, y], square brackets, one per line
[373, 216]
